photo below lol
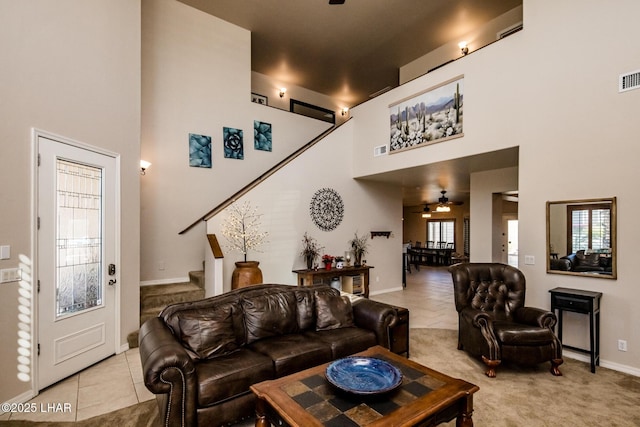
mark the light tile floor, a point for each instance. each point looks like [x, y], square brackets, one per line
[117, 382]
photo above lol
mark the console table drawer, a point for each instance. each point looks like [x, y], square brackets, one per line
[571, 303]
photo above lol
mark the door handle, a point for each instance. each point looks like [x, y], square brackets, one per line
[112, 282]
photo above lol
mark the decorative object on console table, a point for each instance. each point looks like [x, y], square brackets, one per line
[327, 260]
[584, 302]
[310, 250]
[314, 277]
[241, 228]
[339, 262]
[359, 248]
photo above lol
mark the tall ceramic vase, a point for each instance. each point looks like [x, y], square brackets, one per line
[245, 274]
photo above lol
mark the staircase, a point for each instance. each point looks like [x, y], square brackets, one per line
[154, 298]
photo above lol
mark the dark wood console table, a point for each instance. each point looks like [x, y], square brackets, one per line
[310, 277]
[584, 302]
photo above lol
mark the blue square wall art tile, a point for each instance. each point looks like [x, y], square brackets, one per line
[261, 135]
[233, 144]
[199, 151]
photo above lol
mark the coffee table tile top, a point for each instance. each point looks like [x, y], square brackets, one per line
[333, 407]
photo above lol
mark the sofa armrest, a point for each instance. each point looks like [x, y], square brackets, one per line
[168, 370]
[535, 317]
[375, 316]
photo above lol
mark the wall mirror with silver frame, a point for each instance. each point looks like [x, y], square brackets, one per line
[581, 238]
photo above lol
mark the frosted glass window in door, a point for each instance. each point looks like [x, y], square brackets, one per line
[78, 237]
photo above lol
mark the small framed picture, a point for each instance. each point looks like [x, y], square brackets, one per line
[259, 99]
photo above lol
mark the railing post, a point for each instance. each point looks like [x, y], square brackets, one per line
[213, 268]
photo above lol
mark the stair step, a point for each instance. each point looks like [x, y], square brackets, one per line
[160, 296]
[197, 278]
[154, 298]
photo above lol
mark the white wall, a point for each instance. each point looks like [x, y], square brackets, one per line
[71, 68]
[269, 87]
[484, 244]
[476, 39]
[284, 201]
[197, 79]
[551, 90]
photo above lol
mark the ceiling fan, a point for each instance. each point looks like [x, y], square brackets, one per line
[444, 204]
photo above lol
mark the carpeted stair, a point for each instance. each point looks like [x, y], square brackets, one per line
[154, 298]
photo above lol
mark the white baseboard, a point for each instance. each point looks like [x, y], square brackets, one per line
[123, 348]
[583, 357]
[164, 281]
[385, 291]
[21, 398]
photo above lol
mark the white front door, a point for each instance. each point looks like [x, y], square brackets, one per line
[76, 195]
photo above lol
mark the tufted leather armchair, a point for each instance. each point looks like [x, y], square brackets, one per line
[494, 323]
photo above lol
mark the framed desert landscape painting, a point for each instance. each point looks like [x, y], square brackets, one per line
[434, 115]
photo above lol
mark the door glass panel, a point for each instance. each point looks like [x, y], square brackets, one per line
[79, 237]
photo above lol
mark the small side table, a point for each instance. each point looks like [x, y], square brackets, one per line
[399, 333]
[584, 302]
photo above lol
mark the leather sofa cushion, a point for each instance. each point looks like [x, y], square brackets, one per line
[588, 261]
[293, 353]
[306, 309]
[333, 312]
[510, 333]
[208, 333]
[231, 375]
[345, 341]
[270, 315]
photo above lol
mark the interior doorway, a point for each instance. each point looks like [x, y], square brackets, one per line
[512, 242]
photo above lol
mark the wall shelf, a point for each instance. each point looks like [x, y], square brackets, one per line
[380, 233]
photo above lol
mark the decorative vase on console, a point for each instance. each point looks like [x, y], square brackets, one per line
[359, 248]
[328, 260]
[310, 250]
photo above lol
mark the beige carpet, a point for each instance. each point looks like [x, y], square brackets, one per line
[521, 396]
[518, 396]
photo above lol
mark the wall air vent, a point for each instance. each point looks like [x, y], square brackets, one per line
[379, 150]
[629, 81]
[509, 30]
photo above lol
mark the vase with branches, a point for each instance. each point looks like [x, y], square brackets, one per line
[359, 247]
[241, 228]
[310, 249]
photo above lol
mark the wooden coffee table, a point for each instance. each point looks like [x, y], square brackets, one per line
[425, 398]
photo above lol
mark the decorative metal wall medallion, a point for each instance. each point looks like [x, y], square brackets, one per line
[326, 209]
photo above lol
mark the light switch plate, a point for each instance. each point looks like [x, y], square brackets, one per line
[5, 252]
[10, 275]
[529, 260]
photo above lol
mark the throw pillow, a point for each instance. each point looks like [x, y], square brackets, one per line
[333, 312]
[270, 315]
[208, 334]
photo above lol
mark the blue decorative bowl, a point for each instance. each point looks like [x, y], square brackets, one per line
[363, 375]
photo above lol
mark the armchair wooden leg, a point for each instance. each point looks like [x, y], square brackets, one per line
[491, 364]
[554, 367]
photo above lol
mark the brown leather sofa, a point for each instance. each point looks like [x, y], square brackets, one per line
[582, 263]
[200, 358]
[494, 323]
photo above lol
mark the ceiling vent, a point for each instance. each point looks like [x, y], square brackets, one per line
[509, 30]
[629, 81]
[380, 150]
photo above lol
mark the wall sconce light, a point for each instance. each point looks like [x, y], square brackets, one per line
[283, 90]
[144, 165]
[463, 47]
[345, 111]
